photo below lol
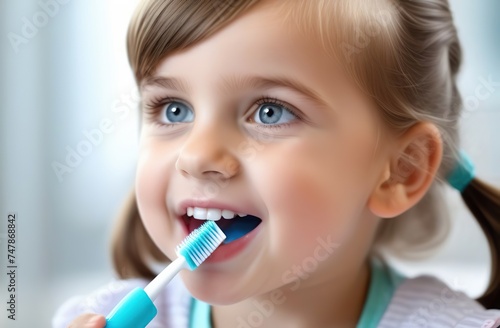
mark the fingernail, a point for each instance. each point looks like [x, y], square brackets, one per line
[92, 322]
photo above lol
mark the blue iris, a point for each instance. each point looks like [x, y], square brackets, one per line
[178, 113]
[273, 114]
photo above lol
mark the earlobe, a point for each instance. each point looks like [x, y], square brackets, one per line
[389, 196]
[409, 173]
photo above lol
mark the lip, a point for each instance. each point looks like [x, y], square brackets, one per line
[225, 251]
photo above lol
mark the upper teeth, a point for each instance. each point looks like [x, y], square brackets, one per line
[212, 214]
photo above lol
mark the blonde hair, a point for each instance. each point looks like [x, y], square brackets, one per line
[404, 54]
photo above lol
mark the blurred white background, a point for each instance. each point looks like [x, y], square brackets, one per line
[71, 75]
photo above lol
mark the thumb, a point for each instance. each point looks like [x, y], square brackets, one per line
[89, 320]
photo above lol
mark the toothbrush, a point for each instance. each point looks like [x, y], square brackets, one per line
[136, 309]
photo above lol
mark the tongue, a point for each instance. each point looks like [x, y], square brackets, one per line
[195, 224]
[239, 227]
[234, 228]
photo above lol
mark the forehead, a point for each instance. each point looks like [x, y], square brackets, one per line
[262, 42]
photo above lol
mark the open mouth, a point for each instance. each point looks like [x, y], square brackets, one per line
[234, 228]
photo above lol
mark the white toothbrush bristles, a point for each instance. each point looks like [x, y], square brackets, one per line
[201, 243]
[192, 251]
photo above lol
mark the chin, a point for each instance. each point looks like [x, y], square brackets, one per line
[213, 289]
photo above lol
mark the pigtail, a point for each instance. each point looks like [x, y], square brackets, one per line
[483, 201]
[131, 246]
[427, 33]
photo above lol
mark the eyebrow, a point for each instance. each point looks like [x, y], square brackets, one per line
[236, 81]
[166, 82]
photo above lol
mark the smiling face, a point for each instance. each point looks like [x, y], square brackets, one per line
[258, 120]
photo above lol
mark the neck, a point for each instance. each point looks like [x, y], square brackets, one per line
[336, 302]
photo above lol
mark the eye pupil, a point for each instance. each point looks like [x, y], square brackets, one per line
[268, 112]
[178, 113]
[270, 115]
[175, 111]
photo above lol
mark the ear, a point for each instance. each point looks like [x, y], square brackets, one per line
[408, 172]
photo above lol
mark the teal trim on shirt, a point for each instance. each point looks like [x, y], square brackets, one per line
[200, 315]
[383, 283]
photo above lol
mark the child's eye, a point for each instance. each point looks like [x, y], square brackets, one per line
[176, 112]
[273, 112]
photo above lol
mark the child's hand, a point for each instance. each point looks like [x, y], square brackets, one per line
[88, 320]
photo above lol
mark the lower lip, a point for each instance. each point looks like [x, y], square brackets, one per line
[227, 251]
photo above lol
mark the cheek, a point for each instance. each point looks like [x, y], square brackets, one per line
[152, 180]
[311, 196]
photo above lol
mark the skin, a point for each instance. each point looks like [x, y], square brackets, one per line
[323, 175]
[327, 185]
[88, 320]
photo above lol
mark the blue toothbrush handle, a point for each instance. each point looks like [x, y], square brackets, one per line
[135, 310]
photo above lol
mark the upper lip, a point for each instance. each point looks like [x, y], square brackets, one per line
[183, 205]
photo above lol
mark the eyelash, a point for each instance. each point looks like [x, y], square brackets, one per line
[275, 101]
[153, 108]
[157, 104]
[154, 105]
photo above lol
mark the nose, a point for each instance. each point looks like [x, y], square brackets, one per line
[206, 154]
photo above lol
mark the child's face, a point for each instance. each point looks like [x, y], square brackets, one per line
[305, 167]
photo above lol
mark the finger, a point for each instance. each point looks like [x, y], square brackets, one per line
[88, 320]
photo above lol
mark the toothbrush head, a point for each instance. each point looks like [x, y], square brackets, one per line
[200, 244]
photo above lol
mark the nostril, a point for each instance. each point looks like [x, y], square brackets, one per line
[231, 168]
[184, 173]
[202, 164]
[179, 168]
[215, 175]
